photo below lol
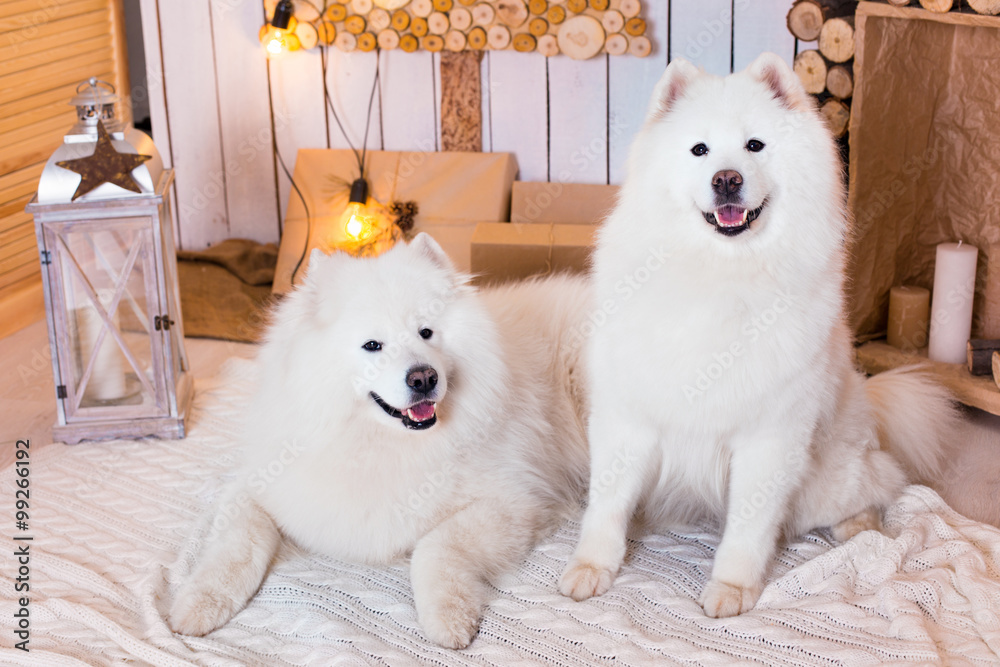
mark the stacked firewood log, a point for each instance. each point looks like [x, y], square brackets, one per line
[988, 7]
[826, 71]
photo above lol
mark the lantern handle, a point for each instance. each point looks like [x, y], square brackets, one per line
[93, 82]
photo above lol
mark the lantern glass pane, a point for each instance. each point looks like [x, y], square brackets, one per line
[105, 272]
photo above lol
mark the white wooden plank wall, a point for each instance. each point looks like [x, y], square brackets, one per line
[216, 102]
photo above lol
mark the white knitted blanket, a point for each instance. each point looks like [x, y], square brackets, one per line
[111, 524]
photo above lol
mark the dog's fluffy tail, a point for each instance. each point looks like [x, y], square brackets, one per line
[915, 415]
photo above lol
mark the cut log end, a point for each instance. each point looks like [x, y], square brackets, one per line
[979, 355]
[805, 19]
[939, 6]
[836, 39]
[840, 81]
[811, 70]
[988, 7]
[837, 116]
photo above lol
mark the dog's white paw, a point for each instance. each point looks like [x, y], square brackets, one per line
[583, 580]
[868, 519]
[198, 611]
[452, 623]
[721, 600]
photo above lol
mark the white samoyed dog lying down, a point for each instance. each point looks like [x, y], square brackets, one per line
[722, 385]
[426, 419]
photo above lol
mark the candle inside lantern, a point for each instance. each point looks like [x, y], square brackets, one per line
[951, 308]
[107, 379]
[909, 312]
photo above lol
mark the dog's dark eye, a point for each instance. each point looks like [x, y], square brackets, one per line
[755, 146]
[699, 150]
[372, 346]
[426, 333]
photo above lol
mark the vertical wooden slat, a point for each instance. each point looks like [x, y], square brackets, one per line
[189, 68]
[702, 33]
[155, 89]
[578, 120]
[485, 87]
[519, 109]
[760, 27]
[407, 90]
[349, 79]
[120, 50]
[630, 85]
[436, 60]
[245, 118]
[156, 93]
[298, 110]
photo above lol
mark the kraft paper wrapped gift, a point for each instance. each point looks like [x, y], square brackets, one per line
[924, 152]
[511, 251]
[454, 191]
[570, 203]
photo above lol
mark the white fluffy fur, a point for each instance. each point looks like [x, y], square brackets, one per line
[723, 383]
[466, 497]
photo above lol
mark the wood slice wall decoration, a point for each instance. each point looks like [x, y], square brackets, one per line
[581, 29]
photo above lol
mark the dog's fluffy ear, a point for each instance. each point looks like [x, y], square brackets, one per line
[771, 70]
[425, 245]
[320, 264]
[671, 87]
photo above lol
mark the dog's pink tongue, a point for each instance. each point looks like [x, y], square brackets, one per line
[729, 215]
[421, 411]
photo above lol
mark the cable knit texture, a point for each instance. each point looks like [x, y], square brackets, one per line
[112, 525]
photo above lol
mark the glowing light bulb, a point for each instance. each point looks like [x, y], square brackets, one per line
[277, 41]
[275, 45]
[357, 221]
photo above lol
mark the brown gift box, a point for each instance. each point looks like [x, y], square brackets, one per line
[452, 191]
[573, 203]
[509, 251]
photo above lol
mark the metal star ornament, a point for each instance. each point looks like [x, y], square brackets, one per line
[105, 165]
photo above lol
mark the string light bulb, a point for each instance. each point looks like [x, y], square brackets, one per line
[356, 219]
[278, 36]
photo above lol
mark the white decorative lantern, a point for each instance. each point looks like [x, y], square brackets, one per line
[109, 272]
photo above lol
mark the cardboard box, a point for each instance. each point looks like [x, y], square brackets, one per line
[451, 190]
[512, 251]
[564, 203]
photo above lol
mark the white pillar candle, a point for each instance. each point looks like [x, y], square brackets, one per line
[951, 303]
[107, 380]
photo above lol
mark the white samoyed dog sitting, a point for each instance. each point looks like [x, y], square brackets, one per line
[722, 385]
[425, 419]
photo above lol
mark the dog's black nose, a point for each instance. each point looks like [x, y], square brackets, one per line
[727, 182]
[422, 379]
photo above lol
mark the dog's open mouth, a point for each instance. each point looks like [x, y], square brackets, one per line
[731, 220]
[417, 417]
